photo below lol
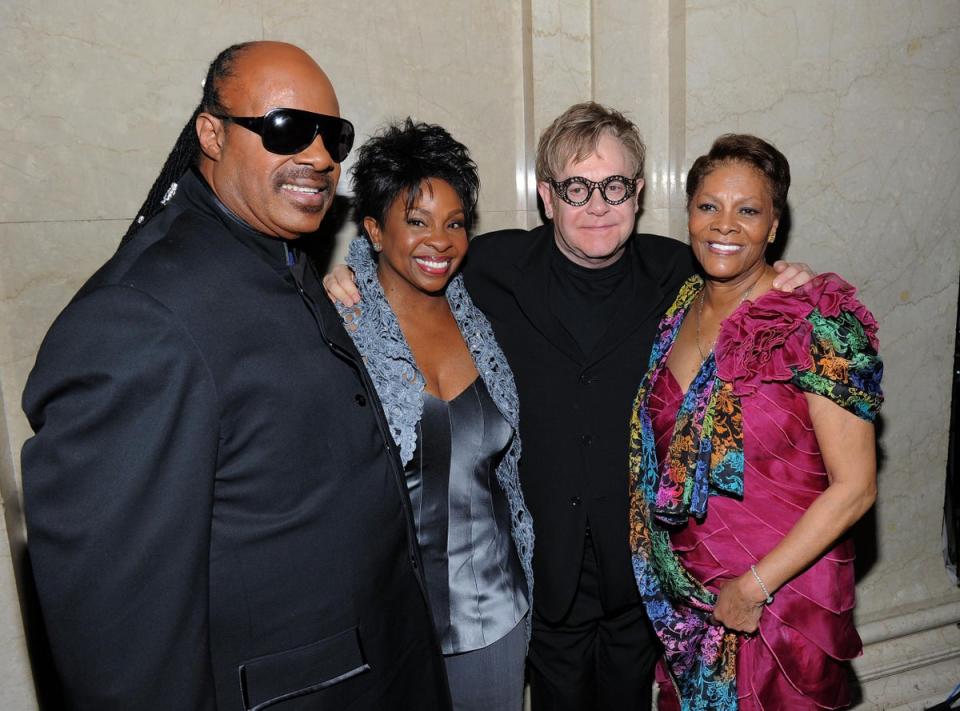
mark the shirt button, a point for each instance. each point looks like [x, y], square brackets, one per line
[360, 399]
[586, 439]
[575, 501]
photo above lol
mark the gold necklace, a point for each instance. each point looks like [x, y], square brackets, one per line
[703, 297]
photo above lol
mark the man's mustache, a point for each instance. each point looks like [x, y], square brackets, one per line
[322, 178]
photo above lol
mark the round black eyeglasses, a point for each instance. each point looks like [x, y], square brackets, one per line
[576, 191]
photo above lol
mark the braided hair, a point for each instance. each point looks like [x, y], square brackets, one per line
[186, 151]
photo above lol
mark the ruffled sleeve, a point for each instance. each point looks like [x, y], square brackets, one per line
[845, 367]
[820, 338]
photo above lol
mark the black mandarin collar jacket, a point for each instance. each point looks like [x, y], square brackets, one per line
[216, 514]
[574, 407]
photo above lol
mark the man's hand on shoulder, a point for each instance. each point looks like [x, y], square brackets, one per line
[791, 275]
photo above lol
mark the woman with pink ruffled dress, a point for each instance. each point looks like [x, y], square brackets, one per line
[752, 453]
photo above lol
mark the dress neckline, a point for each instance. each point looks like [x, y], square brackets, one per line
[470, 386]
[671, 380]
[744, 305]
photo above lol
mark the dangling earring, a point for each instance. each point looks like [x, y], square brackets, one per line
[771, 238]
[377, 246]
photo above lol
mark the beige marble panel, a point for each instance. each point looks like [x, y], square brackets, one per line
[93, 95]
[457, 65]
[437, 69]
[16, 691]
[562, 58]
[41, 266]
[639, 69]
[557, 73]
[862, 97]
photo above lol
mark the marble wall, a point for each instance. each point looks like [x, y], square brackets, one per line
[861, 95]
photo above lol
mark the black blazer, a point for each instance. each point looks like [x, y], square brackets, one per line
[574, 409]
[217, 517]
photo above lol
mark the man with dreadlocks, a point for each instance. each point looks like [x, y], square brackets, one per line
[217, 516]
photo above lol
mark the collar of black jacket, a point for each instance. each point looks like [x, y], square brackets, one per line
[279, 253]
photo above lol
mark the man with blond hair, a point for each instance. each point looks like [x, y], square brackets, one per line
[575, 304]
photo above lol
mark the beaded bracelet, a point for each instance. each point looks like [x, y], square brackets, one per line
[756, 576]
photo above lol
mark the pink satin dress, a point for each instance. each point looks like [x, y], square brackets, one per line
[797, 659]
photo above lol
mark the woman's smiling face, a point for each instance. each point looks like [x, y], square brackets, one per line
[421, 247]
[731, 220]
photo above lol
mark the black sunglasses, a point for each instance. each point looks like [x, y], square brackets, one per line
[289, 131]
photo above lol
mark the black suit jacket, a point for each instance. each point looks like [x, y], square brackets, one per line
[574, 408]
[217, 517]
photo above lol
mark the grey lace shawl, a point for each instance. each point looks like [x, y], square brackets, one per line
[376, 333]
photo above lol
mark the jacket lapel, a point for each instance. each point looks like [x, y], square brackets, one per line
[531, 286]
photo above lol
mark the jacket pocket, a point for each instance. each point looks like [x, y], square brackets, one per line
[277, 677]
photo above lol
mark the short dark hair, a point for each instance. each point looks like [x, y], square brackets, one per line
[186, 151]
[399, 158]
[751, 151]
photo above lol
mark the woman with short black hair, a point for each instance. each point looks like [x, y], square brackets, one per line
[450, 400]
